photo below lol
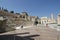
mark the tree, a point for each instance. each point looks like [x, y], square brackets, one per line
[11, 11]
[5, 10]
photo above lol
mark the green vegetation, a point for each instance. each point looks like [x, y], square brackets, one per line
[5, 10]
[11, 11]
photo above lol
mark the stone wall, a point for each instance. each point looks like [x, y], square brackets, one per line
[4, 27]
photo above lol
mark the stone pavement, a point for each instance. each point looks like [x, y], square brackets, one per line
[32, 33]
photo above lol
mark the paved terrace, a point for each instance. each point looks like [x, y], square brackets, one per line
[32, 33]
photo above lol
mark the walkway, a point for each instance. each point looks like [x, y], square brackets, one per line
[32, 33]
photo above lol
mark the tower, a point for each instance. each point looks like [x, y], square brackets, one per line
[52, 16]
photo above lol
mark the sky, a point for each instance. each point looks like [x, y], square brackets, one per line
[38, 8]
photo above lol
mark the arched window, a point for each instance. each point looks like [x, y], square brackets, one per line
[36, 22]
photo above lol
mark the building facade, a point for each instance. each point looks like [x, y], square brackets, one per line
[58, 19]
[45, 20]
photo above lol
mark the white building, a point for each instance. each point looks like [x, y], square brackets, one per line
[44, 20]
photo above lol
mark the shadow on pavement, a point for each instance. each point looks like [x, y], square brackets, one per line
[14, 37]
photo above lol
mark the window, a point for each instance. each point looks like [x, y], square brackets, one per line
[23, 16]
